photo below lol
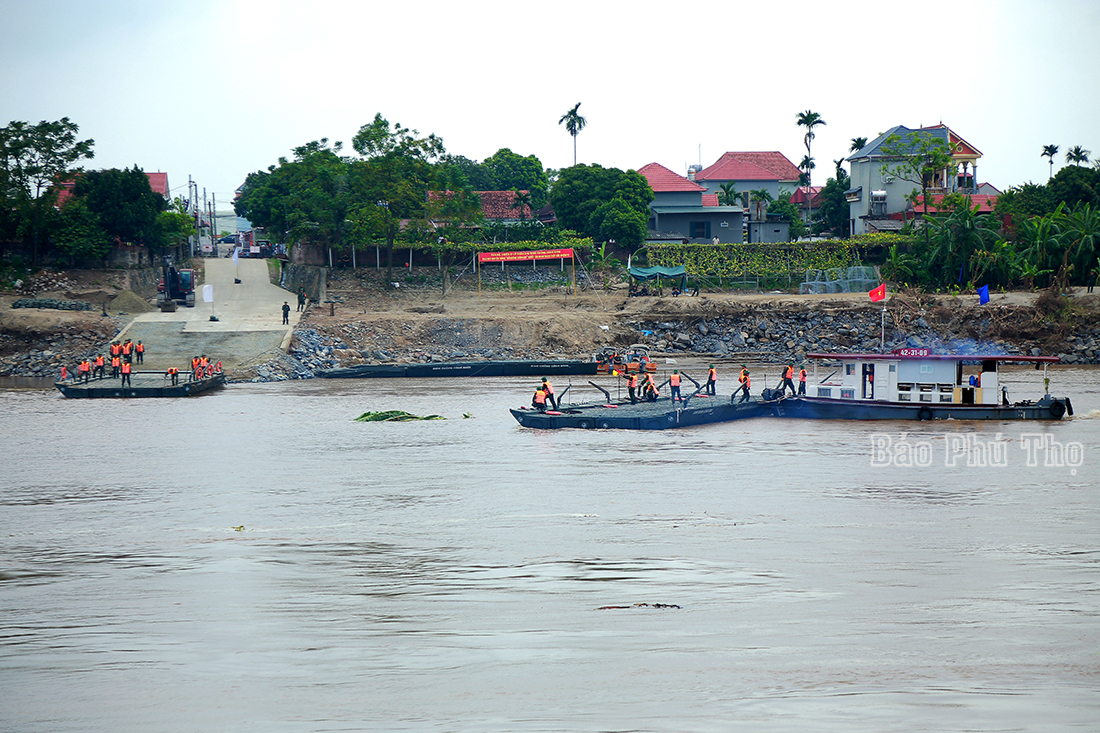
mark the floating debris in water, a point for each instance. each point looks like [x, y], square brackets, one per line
[639, 605]
[394, 416]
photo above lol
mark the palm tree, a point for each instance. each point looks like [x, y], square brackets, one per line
[809, 120]
[1077, 155]
[522, 201]
[858, 143]
[840, 172]
[574, 123]
[729, 195]
[1050, 151]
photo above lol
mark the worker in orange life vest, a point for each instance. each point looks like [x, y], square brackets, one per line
[139, 349]
[64, 373]
[746, 382]
[126, 367]
[85, 369]
[649, 389]
[116, 362]
[712, 380]
[539, 400]
[174, 375]
[115, 350]
[788, 380]
[127, 347]
[674, 384]
[632, 386]
[99, 365]
[550, 393]
[801, 379]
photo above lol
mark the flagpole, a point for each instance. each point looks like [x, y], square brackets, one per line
[882, 348]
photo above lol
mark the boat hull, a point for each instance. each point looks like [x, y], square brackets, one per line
[143, 385]
[824, 408]
[513, 368]
[660, 415]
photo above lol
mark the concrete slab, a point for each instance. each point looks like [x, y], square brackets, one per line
[249, 320]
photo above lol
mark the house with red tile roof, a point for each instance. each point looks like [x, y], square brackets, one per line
[685, 208]
[749, 171]
[157, 181]
[497, 206]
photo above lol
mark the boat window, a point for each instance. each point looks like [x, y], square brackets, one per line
[893, 368]
[849, 368]
[824, 392]
[990, 365]
[847, 394]
[926, 369]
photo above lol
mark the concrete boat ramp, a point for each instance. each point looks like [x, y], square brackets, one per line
[249, 321]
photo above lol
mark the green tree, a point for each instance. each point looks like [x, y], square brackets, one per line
[858, 143]
[574, 123]
[1080, 229]
[833, 214]
[1075, 185]
[783, 207]
[476, 174]
[1024, 201]
[729, 195]
[126, 205]
[34, 158]
[955, 238]
[582, 190]
[80, 237]
[522, 203]
[809, 120]
[1077, 155]
[394, 178]
[510, 170]
[1050, 151]
[621, 222]
[174, 226]
[916, 157]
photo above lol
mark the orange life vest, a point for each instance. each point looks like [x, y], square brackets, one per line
[747, 382]
[115, 349]
[126, 349]
[712, 375]
[126, 367]
[789, 373]
[140, 348]
[99, 360]
[115, 360]
[674, 380]
[802, 375]
[548, 387]
[540, 397]
[633, 381]
[85, 366]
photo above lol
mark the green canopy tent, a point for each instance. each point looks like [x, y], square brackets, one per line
[651, 273]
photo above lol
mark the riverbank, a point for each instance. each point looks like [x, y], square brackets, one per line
[366, 321]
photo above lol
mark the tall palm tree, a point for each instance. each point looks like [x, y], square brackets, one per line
[840, 172]
[574, 123]
[1050, 151]
[1077, 155]
[809, 120]
[858, 143]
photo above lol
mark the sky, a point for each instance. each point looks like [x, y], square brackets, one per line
[217, 89]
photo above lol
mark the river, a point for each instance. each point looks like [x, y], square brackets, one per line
[255, 560]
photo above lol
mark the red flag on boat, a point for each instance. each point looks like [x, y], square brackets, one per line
[878, 293]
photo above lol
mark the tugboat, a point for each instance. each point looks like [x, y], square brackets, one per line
[914, 384]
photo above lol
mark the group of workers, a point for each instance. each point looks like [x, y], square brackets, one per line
[122, 357]
[640, 386]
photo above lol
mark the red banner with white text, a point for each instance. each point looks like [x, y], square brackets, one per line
[525, 256]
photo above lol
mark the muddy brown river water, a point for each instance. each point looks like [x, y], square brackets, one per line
[255, 560]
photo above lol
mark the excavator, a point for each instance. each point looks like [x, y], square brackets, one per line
[176, 285]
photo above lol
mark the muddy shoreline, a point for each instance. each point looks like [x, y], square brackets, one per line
[367, 321]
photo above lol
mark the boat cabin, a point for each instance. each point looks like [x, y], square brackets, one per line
[915, 376]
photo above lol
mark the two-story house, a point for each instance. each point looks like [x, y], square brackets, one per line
[877, 201]
[750, 171]
[685, 208]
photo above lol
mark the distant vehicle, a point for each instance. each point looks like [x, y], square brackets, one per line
[228, 239]
[175, 286]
